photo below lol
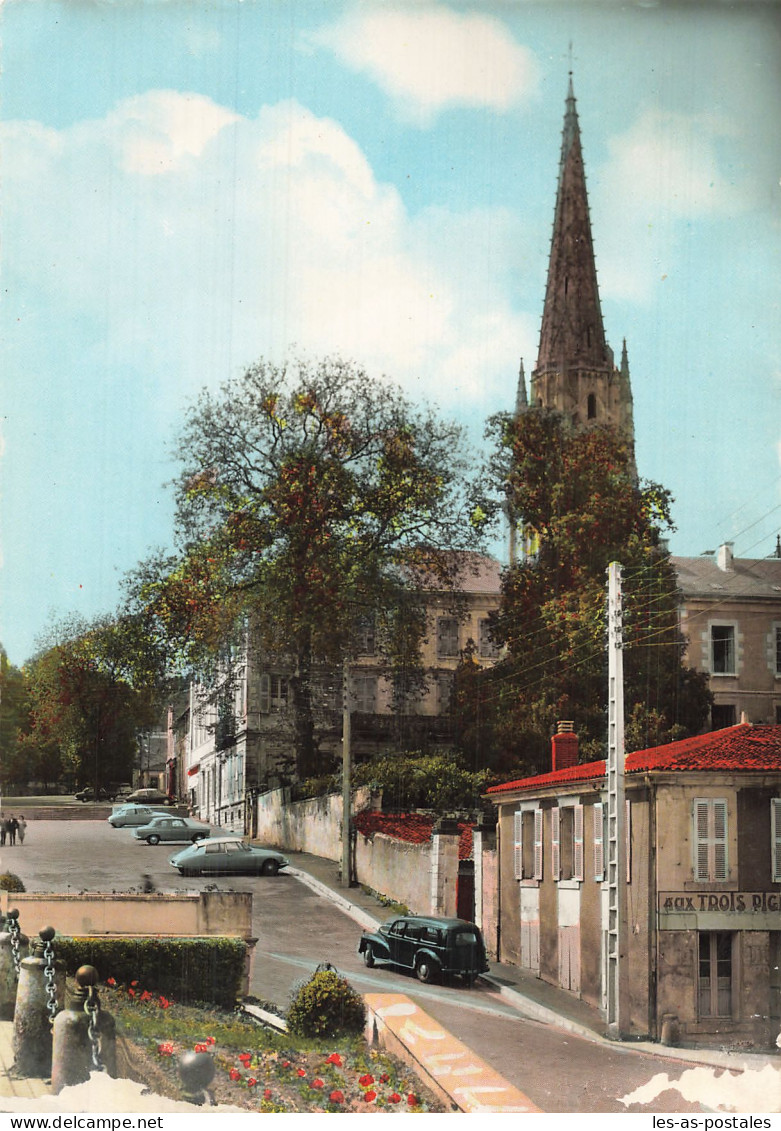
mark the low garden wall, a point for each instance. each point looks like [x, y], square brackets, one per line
[207, 913]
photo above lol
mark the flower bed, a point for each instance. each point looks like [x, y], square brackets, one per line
[257, 1069]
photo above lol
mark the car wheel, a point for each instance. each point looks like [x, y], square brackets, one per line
[270, 868]
[424, 970]
[368, 957]
[153, 839]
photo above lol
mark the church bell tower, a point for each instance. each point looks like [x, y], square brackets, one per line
[576, 372]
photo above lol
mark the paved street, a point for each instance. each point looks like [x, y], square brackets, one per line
[297, 929]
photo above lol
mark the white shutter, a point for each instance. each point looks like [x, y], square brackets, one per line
[555, 845]
[577, 843]
[719, 840]
[701, 854]
[710, 839]
[775, 839]
[538, 844]
[518, 845]
[599, 841]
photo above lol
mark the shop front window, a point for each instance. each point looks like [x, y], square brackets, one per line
[715, 974]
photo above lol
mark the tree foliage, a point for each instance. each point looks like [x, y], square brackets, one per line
[581, 508]
[91, 689]
[310, 498]
[14, 720]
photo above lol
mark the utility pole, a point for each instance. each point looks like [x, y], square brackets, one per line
[346, 774]
[617, 959]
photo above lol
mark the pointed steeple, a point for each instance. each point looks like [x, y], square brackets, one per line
[521, 400]
[624, 362]
[572, 334]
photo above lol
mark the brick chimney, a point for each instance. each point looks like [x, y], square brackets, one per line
[564, 747]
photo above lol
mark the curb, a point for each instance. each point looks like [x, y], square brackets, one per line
[363, 918]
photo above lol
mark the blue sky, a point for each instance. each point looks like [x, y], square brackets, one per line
[190, 186]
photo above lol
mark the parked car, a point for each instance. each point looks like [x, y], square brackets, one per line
[172, 829]
[88, 794]
[428, 945]
[224, 855]
[149, 796]
[129, 815]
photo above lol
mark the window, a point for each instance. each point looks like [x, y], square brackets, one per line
[722, 645]
[722, 715]
[365, 638]
[365, 694]
[710, 839]
[528, 844]
[444, 693]
[447, 636]
[778, 650]
[567, 842]
[273, 692]
[775, 839]
[485, 644]
[715, 974]
[592, 407]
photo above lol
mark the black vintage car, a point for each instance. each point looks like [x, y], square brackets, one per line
[428, 945]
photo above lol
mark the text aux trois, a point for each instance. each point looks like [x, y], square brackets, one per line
[735, 901]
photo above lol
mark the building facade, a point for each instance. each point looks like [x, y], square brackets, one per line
[238, 732]
[731, 619]
[703, 883]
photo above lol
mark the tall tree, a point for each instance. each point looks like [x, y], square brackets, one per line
[92, 688]
[310, 497]
[14, 720]
[581, 508]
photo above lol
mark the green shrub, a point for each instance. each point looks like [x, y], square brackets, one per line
[11, 882]
[188, 970]
[326, 1006]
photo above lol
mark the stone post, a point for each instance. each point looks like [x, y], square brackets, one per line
[444, 867]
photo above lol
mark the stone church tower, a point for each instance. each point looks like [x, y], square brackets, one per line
[576, 372]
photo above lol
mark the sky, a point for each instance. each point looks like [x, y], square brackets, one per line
[190, 186]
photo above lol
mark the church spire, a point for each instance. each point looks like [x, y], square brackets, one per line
[572, 334]
[521, 400]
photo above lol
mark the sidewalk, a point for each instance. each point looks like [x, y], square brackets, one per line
[532, 997]
[27, 1088]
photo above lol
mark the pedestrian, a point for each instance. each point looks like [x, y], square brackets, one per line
[13, 828]
[3, 829]
[22, 828]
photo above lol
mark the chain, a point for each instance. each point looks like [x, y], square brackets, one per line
[48, 973]
[14, 932]
[92, 1009]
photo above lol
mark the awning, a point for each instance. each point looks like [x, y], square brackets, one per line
[193, 769]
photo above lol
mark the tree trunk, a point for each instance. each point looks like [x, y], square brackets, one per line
[303, 720]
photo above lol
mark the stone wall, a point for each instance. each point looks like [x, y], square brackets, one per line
[210, 913]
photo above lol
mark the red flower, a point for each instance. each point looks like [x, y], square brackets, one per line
[285, 1063]
[301, 1072]
[394, 1098]
[131, 993]
[366, 1080]
[245, 1058]
[384, 1078]
[165, 1048]
[212, 1041]
[412, 1100]
[201, 1047]
[370, 1097]
[111, 981]
[334, 1058]
[336, 1097]
[251, 1081]
[234, 1074]
[318, 1083]
[135, 983]
[267, 1094]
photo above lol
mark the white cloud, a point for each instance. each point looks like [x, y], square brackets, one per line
[662, 173]
[192, 241]
[428, 58]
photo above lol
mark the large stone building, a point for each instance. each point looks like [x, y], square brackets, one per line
[703, 882]
[731, 618]
[238, 734]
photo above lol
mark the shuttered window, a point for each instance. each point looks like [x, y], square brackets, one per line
[775, 841]
[577, 843]
[555, 846]
[447, 637]
[518, 845]
[527, 844]
[710, 839]
[567, 842]
[538, 844]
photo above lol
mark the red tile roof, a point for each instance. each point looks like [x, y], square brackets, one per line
[415, 828]
[739, 749]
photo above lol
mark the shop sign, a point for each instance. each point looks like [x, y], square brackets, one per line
[732, 902]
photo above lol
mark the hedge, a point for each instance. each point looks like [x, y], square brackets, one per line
[189, 970]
